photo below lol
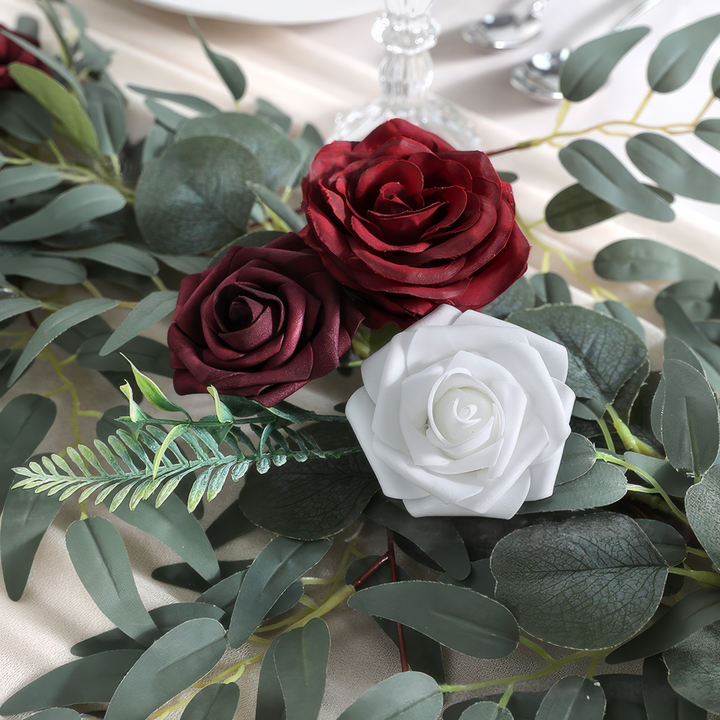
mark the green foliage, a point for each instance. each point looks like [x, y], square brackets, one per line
[702, 503]
[214, 702]
[573, 698]
[661, 701]
[24, 118]
[519, 296]
[17, 182]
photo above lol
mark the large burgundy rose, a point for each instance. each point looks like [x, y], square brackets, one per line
[11, 52]
[262, 323]
[410, 223]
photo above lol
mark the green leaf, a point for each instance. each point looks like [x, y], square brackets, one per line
[191, 101]
[678, 54]
[707, 130]
[194, 196]
[699, 299]
[155, 142]
[175, 661]
[273, 203]
[480, 578]
[687, 616]
[71, 208]
[54, 271]
[56, 714]
[70, 118]
[661, 701]
[182, 575]
[485, 710]
[301, 658]
[690, 422]
[275, 152]
[603, 352]
[518, 296]
[226, 67]
[87, 680]
[117, 255]
[666, 540]
[146, 354]
[624, 314]
[506, 176]
[641, 259]
[267, 111]
[149, 310]
[175, 527]
[573, 698]
[166, 117]
[153, 394]
[551, 288]
[522, 706]
[692, 667]
[588, 67]
[12, 307]
[408, 696]
[600, 172]
[603, 484]
[107, 112]
[671, 167]
[17, 182]
[186, 264]
[673, 482]
[277, 567]
[102, 564]
[436, 537]
[623, 694]
[270, 703]
[455, 616]
[55, 325]
[214, 702]
[24, 118]
[702, 504]
[25, 519]
[24, 422]
[229, 525]
[600, 570]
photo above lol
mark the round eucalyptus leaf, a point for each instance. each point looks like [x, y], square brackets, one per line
[486, 710]
[591, 582]
[56, 714]
[600, 172]
[670, 480]
[709, 130]
[194, 196]
[699, 299]
[551, 288]
[666, 539]
[573, 698]
[702, 504]
[214, 702]
[661, 701]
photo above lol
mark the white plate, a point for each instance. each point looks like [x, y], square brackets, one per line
[271, 12]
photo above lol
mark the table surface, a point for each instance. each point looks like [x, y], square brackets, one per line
[312, 72]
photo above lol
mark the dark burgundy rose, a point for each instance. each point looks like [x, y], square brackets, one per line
[11, 52]
[410, 223]
[262, 323]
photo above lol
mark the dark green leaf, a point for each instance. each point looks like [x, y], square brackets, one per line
[573, 698]
[301, 658]
[480, 578]
[118, 256]
[522, 705]
[678, 54]
[702, 504]
[68, 210]
[518, 296]
[692, 667]
[214, 702]
[485, 710]
[268, 198]
[16, 182]
[603, 352]
[156, 141]
[661, 701]
[408, 696]
[671, 167]
[182, 575]
[623, 694]
[229, 525]
[508, 177]
[673, 482]
[266, 110]
[107, 112]
[455, 616]
[57, 324]
[148, 311]
[186, 264]
[226, 67]
[600, 570]
[174, 526]
[551, 287]
[166, 117]
[101, 561]
[589, 66]
[17, 306]
[600, 172]
[190, 101]
[56, 714]
[194, 196]
[690, 422]
[270, 701]
[88, 680]
[666, 539]
[707, 130]
[277, 567]
[699, 299]
[437, 537]
[24, 422]
[275, 152]
[56, 271]
[175, 661]
[146, 354]
[603, 484]
[625, 315]
[24, 118]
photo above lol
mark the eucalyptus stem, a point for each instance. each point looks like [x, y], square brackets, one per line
[643, 104]
[702, 576]
[632, 443]
[606, 435]
[507, 695]
[536, 648]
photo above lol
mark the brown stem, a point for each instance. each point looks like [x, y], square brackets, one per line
[500, 151]
[357, 584]
[400, 630]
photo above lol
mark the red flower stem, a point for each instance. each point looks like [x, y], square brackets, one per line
[357, 584]
[31, 319]
[501, 151]
[394, 574]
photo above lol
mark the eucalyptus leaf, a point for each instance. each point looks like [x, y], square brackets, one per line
[266, 110]
[455, 616]
[672, 167]
[56, 714]
[600, 570]
[24, 118]
[55, 325]
[600, 172]
[707, 130]
[480, 579]
[214, 702]
[551, 288]
[666, 539]
[155, 143]
[194, 196]
[588, 67]
[670, 480]
[232, 523]
[518, 296]
[678, 54]
[521, 705]
[71, 208]
[166, 116]
[486, 710]
[16, 182]
[186, 264]
[626, 315]
[12, 307]
[107, 112]
[191, 101]
[699, 299]
[174, 526]
[123, 257]
[102, 564]
[149, 311]
[273, 203]
[182, 575]
[146, 354]
[408, 696]
[702, 504]
[175, 661]
[661, 701]
[573, 698]
[301, 658]
[623, 694]
[277, 567]
[270, 704]
[49, 270]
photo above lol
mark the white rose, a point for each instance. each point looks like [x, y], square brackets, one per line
[464, 414]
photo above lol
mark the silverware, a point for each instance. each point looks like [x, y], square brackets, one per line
[511, 25]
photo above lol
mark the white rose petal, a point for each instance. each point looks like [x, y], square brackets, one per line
[463, 414]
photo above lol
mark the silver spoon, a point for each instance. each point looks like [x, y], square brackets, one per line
[513, 24]
[539, 77]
